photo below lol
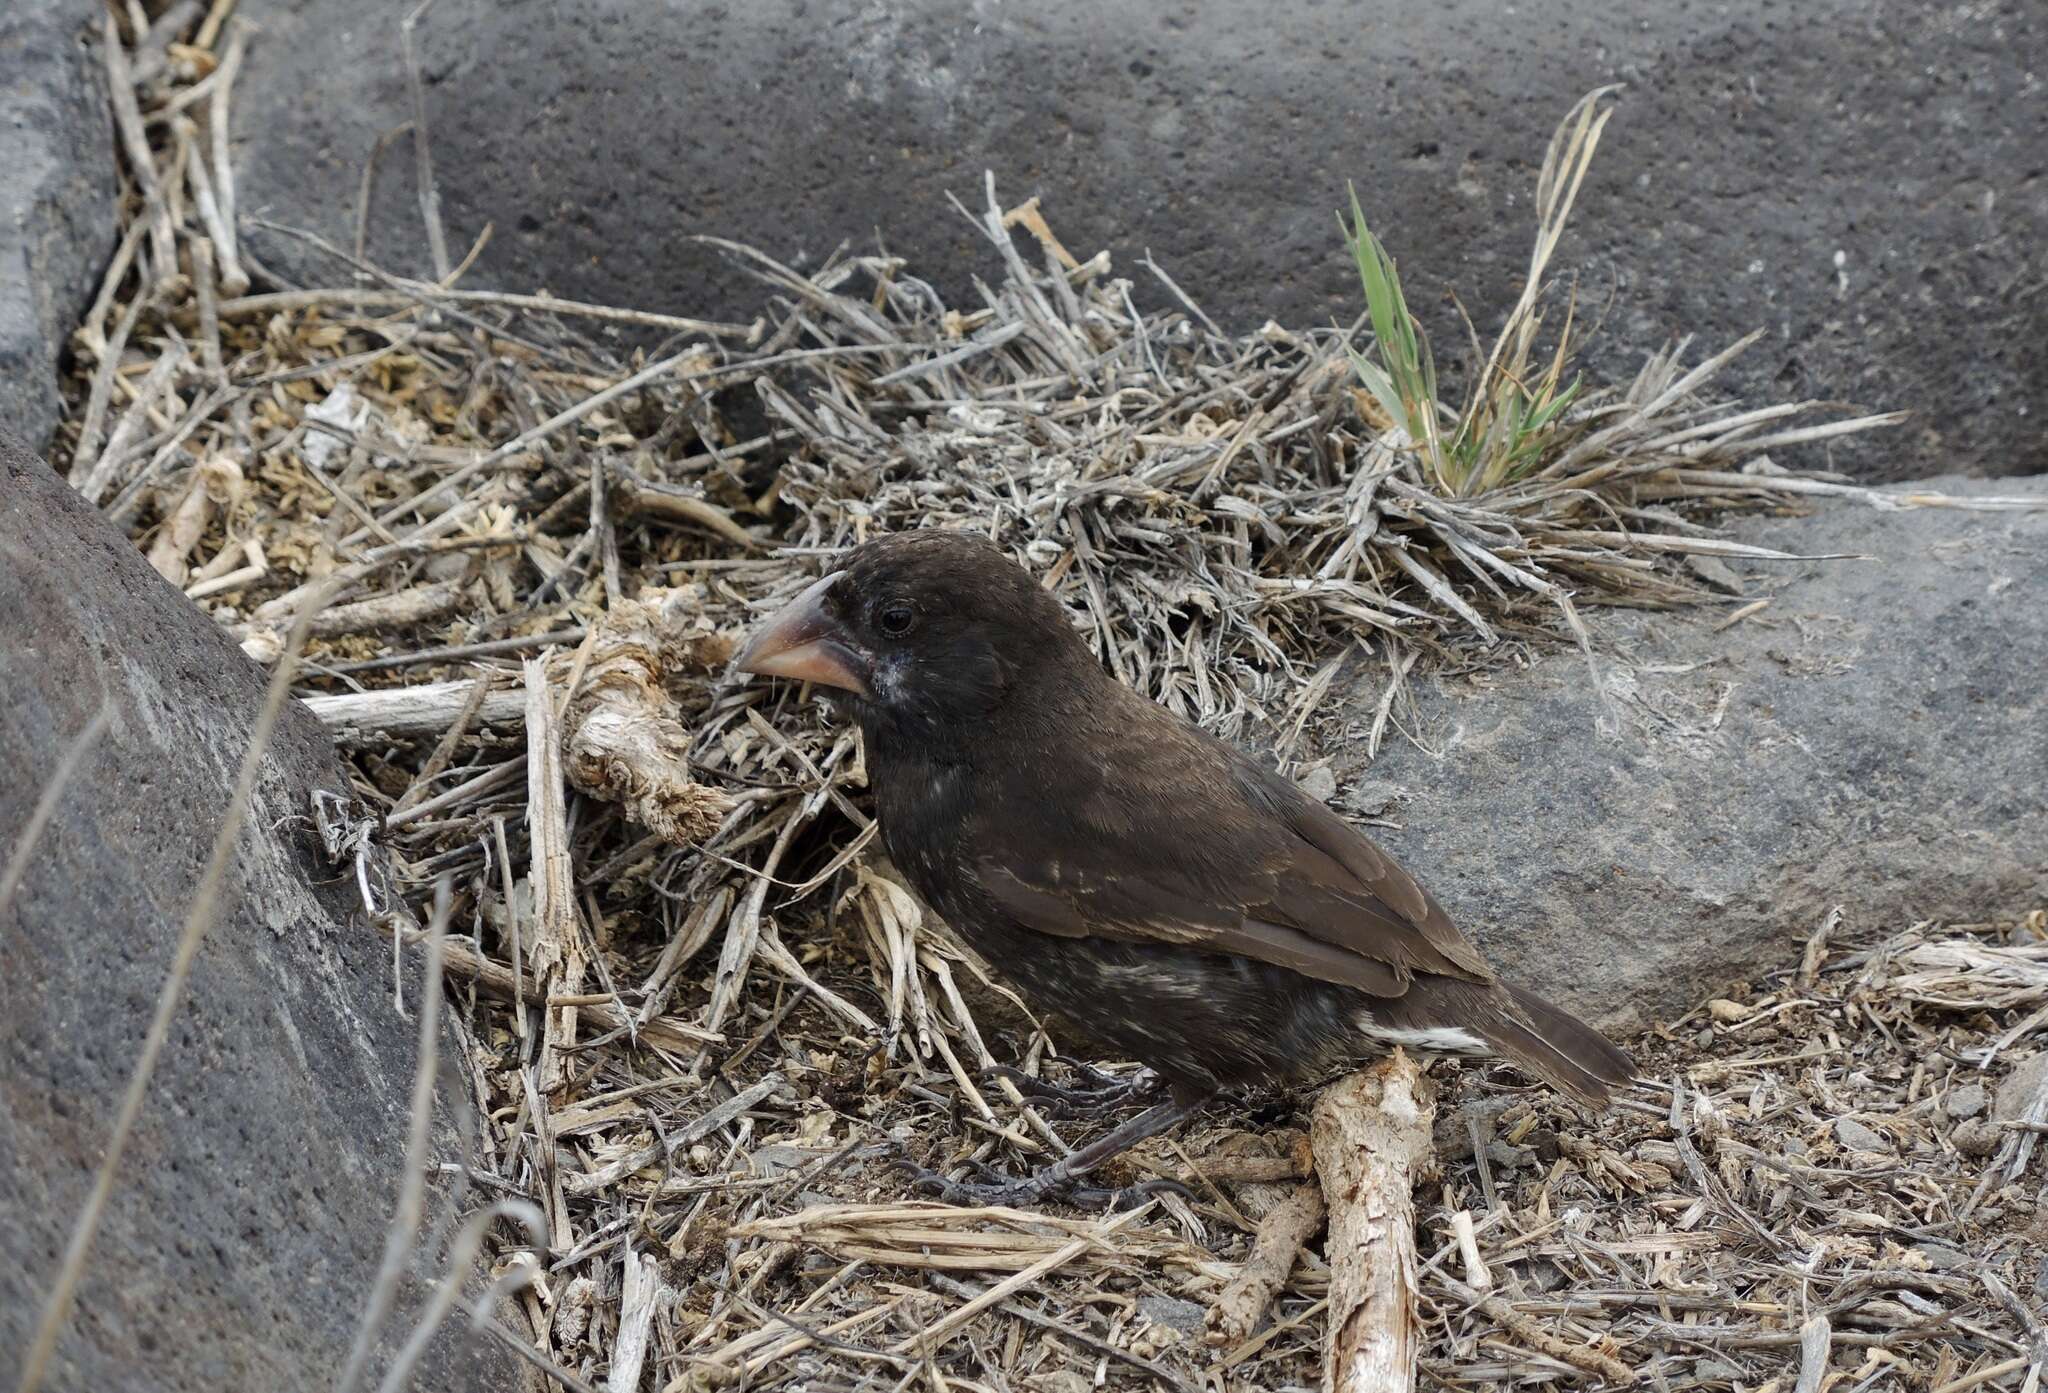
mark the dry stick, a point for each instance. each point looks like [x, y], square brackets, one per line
[1985, 1375]
[929, 1340]
[743, 933]
[233, 279]
[695, 1130]
[1371, 1135]
[429, 656]
[1468, 1249]
[426, 709]
[662, 1032]
[92, 333]
[135, 144]
[444, 749]
[430, 198]
[413, 292]
[198, 919]
[46, 805]
[1533, 1335]
[462, 1256]
[1816, 1338]
[151, 48]
[515, 983]
[209, 28]
[212, 484]
[641, 1290]
[102, 470]
[364, 191]
[1286, 1227]
[405, 1220]
[209, 304]
[401, 610]
[97, 400]
[557, 957]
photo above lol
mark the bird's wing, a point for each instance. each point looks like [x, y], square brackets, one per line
[1200, 847]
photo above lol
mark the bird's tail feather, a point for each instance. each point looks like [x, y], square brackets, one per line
[1559, 1048]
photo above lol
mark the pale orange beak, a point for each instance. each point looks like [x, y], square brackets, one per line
[806, 643]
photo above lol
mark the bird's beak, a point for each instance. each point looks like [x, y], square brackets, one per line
[806, 643]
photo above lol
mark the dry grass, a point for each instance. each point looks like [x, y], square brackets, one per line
[693, 1053]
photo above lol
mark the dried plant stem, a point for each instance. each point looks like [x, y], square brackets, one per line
[641, 1293]
[661, 1032]
[46, 804]
[213, 484]
[427, 709]
[624, 740]
[412, 292]
[556, 957]
[135, 145]
[1371, 1135]
[1530, 1333]
[412, 1188]
[234, 280]
[1287, 1226]
[99, 475]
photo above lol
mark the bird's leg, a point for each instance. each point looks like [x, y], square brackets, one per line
[1057, 1180]
[1099, 1093]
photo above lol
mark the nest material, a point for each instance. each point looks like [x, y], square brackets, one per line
[696, 1019]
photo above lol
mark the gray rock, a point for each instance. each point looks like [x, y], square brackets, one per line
[1873, 739]
[1858, 180]
[1943, 1258]
[1171, 1311]
[1965, 1101]
[56, 200]
[1857, 1137]
[2022, 1088]
[249, 1212]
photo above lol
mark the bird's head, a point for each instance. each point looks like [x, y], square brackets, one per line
[922, 630]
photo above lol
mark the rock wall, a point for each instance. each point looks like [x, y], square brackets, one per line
[249, 1211]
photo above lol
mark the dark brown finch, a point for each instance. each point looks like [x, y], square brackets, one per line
[1172, 898]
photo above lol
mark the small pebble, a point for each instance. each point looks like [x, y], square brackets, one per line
[1857, 1137]
[1975, 1138]
[2021, 1087]
[1172, 1312]
[1967, 1101]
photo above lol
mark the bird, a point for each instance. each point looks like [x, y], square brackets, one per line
[1179, 902]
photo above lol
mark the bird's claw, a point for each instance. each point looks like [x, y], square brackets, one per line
[1024, 1192]
[1098, 1095]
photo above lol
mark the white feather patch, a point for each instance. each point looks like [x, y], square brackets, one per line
[1442, 1039]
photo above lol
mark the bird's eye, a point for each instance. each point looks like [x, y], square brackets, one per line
[896, 618]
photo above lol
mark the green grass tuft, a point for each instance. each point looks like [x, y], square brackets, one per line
[1517, 416]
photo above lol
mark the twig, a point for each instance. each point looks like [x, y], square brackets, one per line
[412, 1188]
[556, 956]
[1282, 1233]
[1371, 1136]
[427, 709]
[135, 145]
[430, 196]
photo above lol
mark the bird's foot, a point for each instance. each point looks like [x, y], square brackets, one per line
[1060, 1179]
[1023, 1192]
[1098, 1094]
